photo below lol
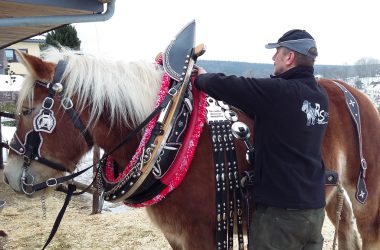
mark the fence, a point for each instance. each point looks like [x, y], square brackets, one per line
[96, 155]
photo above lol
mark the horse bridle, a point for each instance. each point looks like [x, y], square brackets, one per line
[45, 122]
[33, 139]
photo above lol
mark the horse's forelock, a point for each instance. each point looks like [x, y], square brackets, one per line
[26, 93]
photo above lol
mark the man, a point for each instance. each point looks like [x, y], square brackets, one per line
[290, 112]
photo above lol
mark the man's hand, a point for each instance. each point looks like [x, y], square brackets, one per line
[198, 70]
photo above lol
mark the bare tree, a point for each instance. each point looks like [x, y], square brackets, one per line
[367, 67]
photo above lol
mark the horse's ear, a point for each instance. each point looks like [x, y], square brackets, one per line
[40, 69]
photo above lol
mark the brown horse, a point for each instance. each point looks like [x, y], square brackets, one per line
[113, 98]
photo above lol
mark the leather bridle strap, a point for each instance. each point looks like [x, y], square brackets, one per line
[78, 124]
[56, 181]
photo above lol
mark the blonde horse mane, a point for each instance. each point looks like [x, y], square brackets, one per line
[127, 91]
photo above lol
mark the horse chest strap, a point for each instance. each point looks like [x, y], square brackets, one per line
[353, 106]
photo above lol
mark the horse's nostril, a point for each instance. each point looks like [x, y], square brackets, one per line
[6, 180]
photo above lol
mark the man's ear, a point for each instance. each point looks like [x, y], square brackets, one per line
[290, 57]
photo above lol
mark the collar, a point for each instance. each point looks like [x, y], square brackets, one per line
[296, 72]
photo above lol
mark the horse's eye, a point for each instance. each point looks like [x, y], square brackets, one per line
[27, 111]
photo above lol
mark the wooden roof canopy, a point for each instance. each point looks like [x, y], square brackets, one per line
[22, 19]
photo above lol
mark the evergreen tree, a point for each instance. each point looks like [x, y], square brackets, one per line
[63, 36]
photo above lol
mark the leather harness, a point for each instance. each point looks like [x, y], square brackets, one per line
[353, 106]
[228, 198]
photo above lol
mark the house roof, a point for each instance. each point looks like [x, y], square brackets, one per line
[22, 19]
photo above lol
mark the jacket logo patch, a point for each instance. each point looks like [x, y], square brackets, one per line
[314, 115]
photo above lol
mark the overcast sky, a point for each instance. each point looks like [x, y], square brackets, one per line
[237, 30]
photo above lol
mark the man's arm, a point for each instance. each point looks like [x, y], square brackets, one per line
[251, 95]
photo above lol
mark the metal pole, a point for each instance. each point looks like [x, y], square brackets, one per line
[95, 194]
[3, 61]
[1, 148]
[54, 20]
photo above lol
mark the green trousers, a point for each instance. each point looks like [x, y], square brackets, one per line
[286, 229]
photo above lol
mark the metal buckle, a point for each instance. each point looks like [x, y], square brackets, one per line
[231, 115]
[26, 160]
[223, 105]
[48, 103]
[363, 164]
[53, 184]
[24, 183]
[172, 91]
[67, 103]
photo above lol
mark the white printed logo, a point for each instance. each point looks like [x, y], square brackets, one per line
[314, 115]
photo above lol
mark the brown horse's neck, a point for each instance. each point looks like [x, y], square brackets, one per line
[108, 138]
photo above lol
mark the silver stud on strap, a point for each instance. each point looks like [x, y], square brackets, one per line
[57, 87]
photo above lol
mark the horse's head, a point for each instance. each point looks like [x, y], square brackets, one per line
[110, 98]
[46, 143]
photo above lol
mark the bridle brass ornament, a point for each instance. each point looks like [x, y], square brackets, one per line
[45, 120]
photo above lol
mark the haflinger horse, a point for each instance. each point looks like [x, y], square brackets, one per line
[112, 98]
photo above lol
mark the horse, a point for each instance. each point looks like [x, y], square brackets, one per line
[113, 97]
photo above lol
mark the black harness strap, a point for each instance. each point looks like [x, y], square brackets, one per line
[246, 184]
[235, 200]
[227, 202]
[353, 106]
[56, 181]
[220, 185]
[78, 124]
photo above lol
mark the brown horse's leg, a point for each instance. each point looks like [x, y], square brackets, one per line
[185, 236]
[368, 220]
[173, 242]
[348, 238]
[183, 229]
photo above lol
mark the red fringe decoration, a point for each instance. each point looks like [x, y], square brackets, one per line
[173, 178]
[148, 131]
[183, 160]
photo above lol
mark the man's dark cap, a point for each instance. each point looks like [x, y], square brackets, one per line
[297, 40]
